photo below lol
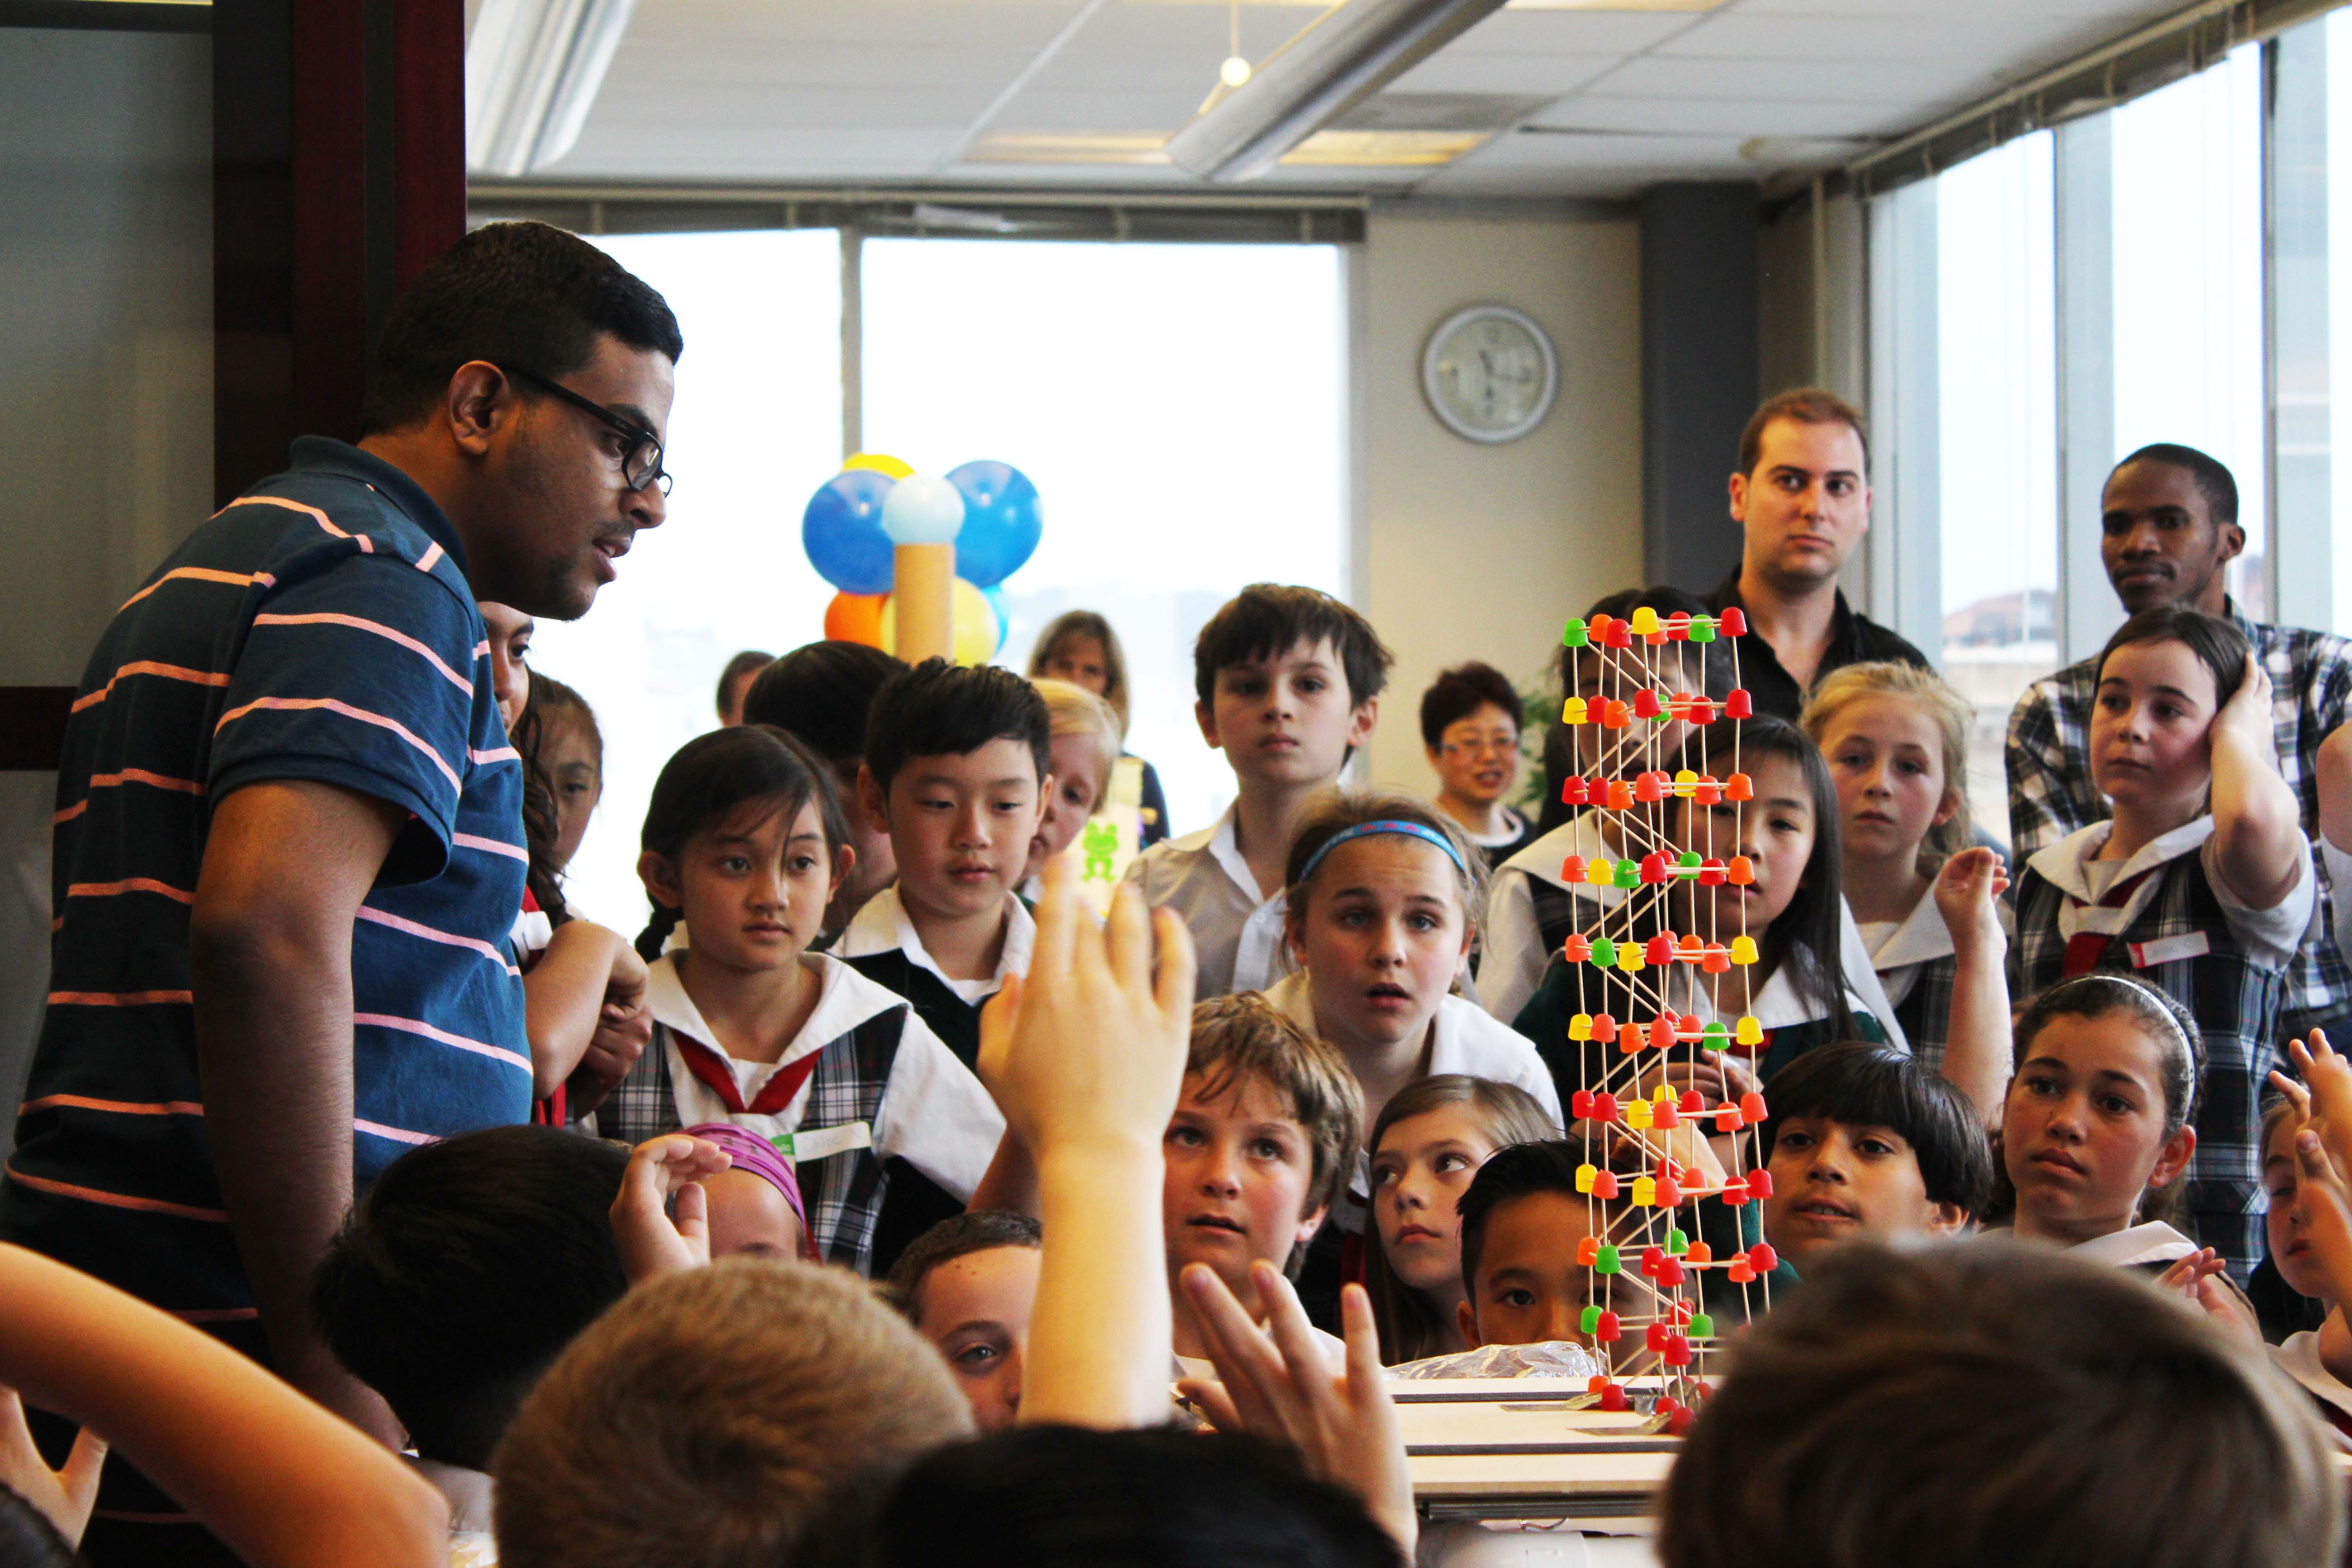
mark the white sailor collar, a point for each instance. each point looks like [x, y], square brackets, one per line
[1579, 835]
[2063, 865]
[1921, 937]
[882, 926]
[845, 1000]
[2150, 1242]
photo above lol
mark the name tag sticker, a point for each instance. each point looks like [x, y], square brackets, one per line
[2170, 949]
[823, 1142]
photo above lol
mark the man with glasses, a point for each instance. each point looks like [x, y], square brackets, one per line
[289, 844]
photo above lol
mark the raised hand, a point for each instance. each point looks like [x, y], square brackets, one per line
[2327, 1079]
[63, 1497]
[1965, 891]
[651, 1243]
[2245, 718]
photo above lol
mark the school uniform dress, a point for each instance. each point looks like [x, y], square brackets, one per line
[1236, 929]
[2298, 1358]
[881, 943]
[1917, 969]
[1530, 911]
[2164, 916]
[321, 628]
[865, 1081]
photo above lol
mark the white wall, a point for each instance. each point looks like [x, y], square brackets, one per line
[105, 390]
[1476, 551]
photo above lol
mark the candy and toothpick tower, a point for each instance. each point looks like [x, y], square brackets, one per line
[1660, 985]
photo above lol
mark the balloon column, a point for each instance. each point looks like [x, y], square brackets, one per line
[918, 559]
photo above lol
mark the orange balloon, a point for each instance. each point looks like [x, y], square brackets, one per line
[856, 618]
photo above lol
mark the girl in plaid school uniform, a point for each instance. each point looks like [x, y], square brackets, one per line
[1926, 904]
[2200, 884]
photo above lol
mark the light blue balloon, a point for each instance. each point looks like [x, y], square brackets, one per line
[922, 511]
[996, 598]
[1002, 521]
[842, 531]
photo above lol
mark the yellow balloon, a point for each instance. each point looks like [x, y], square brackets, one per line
[880, 462]
[971, 622]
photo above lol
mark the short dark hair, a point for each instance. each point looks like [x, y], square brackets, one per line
[464, 1270]
[1267, 619]
[1066, 1496]
[1991, 1401]
[939, 710]
[1521, 1169]
[1802, 406]
[2212, 476]
[1459, 692]
[1863, 1085]
[750, 661]
[822, 693]
[1715, 661]
[958, 1235]
[2218, 644]
[523, 296]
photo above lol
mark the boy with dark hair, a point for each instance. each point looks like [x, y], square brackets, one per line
[735, 680]
[1522, 1220]
[956, 771]
[968, 1285]
[466, 1269]
[1997, 1403]
[820, 695]
[1289, 682]
[1866, 1142]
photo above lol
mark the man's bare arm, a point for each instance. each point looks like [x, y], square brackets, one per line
[287, 865]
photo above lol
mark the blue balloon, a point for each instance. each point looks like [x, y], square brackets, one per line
[996, 598]
[1002, 521]
[842, 531]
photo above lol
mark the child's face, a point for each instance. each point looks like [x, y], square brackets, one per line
[1833, 1180]
[875, 868]
[1775, 830]
[1239, 1169]
[1286, 722]
[1477, 756]
[1419, 1173]
[2289, 1232]
[1886, 759]
[1082, 661]
[574, 766]
[1077, 790]
[2152, 725]
[1381, 938]
[749, 1216]
[2082, 1130]
[753, 885]
[976, 1310]
[1530, 1289]
[509, 631]
[960, 825]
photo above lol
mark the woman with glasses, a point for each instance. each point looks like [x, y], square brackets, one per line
[1470, 723]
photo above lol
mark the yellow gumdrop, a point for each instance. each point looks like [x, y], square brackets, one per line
[1665, 1093]
[1685, 783]
[1580, 1027]
[1743, 950]
[1572, 711]
[1645, 621]
[1749, 1032]
[1645, 1192]
[1600, 873]
[1629, 956]
[1584, 1174]
[1637, 1114]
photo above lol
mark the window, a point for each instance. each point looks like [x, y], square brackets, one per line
[1180, 409]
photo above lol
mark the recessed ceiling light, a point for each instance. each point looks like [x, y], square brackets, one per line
[1325, 149]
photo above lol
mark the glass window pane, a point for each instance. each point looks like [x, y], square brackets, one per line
[2339, 302]
[2188, 284]
[1996, 271]
[756, 427]
[1180, 408]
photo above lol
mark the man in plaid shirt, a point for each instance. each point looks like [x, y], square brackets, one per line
[2168, 529]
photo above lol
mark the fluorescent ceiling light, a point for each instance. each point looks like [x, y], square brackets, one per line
[1335, 62]
[532, 71]
[1325, 149]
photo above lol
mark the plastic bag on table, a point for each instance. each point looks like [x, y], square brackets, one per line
[1554, 1358]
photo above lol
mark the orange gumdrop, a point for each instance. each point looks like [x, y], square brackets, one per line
[1740, 871]
[1739, 786]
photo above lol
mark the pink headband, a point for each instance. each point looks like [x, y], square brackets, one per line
[755, 1155]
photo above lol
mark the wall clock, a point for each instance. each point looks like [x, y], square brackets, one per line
[1489, 373]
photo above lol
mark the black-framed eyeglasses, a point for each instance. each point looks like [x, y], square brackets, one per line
[641, 460]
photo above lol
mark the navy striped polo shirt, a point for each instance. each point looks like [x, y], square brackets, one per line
[320, 626]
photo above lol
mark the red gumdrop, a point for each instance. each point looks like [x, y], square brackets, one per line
[1759, 1184]
[1580, 1104]
[1596, 790]
[1681, 1314]
[1613, 1398]
[1708, 790]
[1732, 622]
[1702, 711]
[1576, 948]
[1572, 868]
[1711, 872]
[1670, 1274]
[1649, 787]
[1666, 1406]
[1728, 1120]
[1693, 1102]
[1738, 787]
[1651, 1258]
[1716, 960]
[1751, 1106]
[1659, 949]
[1574, 791]
[1678, 1422]
[1620, 635]
[1604, 1185]
[1662, 1031]
[1654, 871]
[1609, 1329]
[1736, 1194]
[1677, 1351]
[1678, 626]
[1646, 705]
[1737, 704]
[1687, 1023]
[1665, 1119]
[1763, 1258]
[1654, 1336]
[1670, 1194]
[1604, 1027]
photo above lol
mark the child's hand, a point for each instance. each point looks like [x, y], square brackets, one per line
[2244, 721]
[1089, 1049]
[2328, 1080]
[2203, 1280]
[1279, 1386]
[651, 1244]
[623, 1030]
[62, 1497]
[1965, 891]
[2326, 1205]
[1719, 1076]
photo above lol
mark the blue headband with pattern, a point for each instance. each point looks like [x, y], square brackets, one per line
[1419, 830]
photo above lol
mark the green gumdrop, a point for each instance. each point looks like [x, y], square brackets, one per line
[1629, 875]
[1701, 1326]
[1608, 1262]
[1687, 857]
[1702, 628]
[1590, 1323]
[1604, 953]
[1660, 718]
[1713, 1035]
[1676, 1244]
[1574, 635]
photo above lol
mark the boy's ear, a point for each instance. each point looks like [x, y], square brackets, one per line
[872, 801]
[660, 879]
[1308, 1224]
[1949, 1220]
[1465, 1322]
[1361, 722]
[1205, 715]
[1045, 797]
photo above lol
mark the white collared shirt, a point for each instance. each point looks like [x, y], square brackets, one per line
[1513, 952]
[1236, 930]
[471, 1494]
[882, 924]
[1900, 949]
[2270, 937]
[1778, 1004]
[2153, 1242]
[2298, 1357]
[935, 1115]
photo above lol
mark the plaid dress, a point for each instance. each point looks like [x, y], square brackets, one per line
[1916, 967]
[2236, 1001]
[2050, 794]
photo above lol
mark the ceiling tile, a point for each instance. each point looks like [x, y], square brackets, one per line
[1887, 81]
[1740, 117]
[1547, 74]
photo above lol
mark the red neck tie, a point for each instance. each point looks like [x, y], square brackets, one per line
[713, 1069]
[2085, 948]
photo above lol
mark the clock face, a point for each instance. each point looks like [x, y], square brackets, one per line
[1489, 373]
